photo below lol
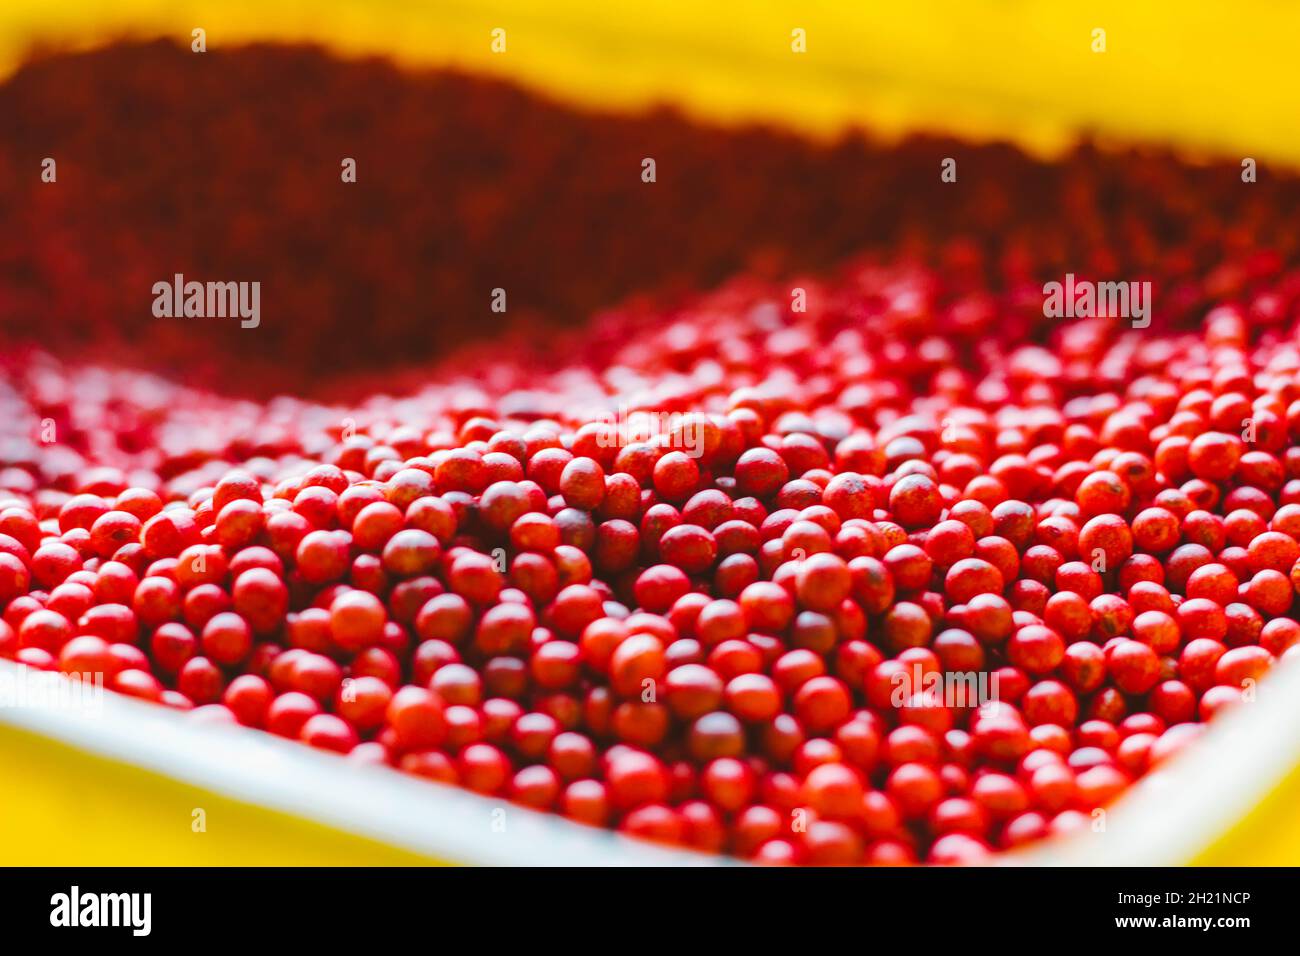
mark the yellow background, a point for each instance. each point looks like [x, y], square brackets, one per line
[1206, 75]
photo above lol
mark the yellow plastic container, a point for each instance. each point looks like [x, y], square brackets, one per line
[114, 781]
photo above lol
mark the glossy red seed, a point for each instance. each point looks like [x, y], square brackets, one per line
[416, 717]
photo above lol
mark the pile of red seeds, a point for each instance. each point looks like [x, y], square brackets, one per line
[466, 184]
[699, 637]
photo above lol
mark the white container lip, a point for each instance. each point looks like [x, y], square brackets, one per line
[1168, 817]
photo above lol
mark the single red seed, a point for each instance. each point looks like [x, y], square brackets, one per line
[416, 717]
